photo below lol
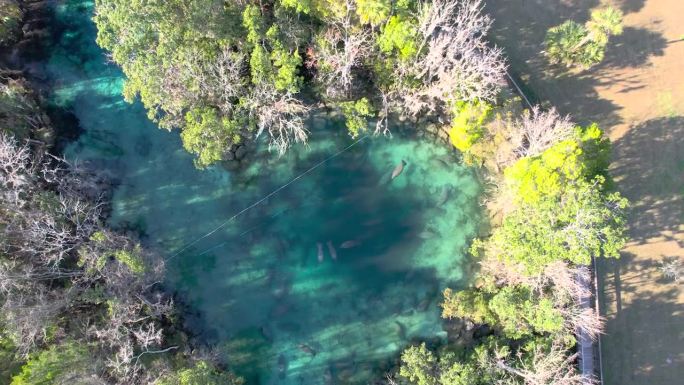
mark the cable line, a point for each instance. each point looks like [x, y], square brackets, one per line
[219, 227]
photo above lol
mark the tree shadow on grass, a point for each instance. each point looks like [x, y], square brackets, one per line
[645, 323]
[630, 6]
[520, 28]
[651, 175]
[633, 48]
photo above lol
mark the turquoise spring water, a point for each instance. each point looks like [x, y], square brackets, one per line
[257, 288]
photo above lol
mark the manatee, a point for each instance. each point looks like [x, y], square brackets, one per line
[280, 309]
[349, 244]
[282, 366]
[401, 330]
[399, 169]
[332, 251]
[266, 333]
[307, 349]
[437, 162]
[373, 222]
[320, 251]
[423, 305]
[444, 195]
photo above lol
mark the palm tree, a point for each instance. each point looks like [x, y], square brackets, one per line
[604, 23]
[574, 44]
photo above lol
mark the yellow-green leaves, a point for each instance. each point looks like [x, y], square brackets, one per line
[302, 6]
[287, 75]
[418, 365]
[547, 174]
[400, 35]
[131, 259]
[203, 373]
[373, 12]
[253, 23]
[472, 304]
[467, 124]
[206, 134]
[581, 223]
[356, 114]
[517, 310]
[560, 166]
[260, 65]
[68, 363]
[271, 61]
[604, 23]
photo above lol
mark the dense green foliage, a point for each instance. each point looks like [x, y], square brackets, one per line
[560, 213]
[355, 115]
[225, 72]
[581, 223]
[202, 373]
[490, 362]
[583, 45]
[68, 362]
[79, 304]
[563, 165]
[10, 20]
[9, 364]
[467, 126]
[20, 114]
[517, 310]
[399, 35]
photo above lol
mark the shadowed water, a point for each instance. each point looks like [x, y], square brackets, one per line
[323, 282]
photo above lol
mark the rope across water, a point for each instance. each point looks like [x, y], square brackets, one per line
[219, 227]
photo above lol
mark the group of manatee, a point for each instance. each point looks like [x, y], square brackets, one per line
[401, 329]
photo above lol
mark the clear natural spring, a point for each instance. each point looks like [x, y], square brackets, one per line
[258, 288]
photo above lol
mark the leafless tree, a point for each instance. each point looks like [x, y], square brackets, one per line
[542, 366]
[281, 115]
[224, 80]
[538, 130]
[28, 313]
[16, 169]
[671, 268]
[44, 235]
[340, 50]
[583, 320]
[568, 282]
[56, 255]
[458, 62]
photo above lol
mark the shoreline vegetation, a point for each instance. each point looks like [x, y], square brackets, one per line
[83, 304]
[79, 303]
[225, 73]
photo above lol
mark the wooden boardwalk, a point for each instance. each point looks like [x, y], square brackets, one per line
[586, 344]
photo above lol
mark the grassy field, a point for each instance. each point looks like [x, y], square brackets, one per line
[637, 95]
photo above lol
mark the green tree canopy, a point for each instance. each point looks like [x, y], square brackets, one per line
[583, 45]
[68, 363]
[224, 72]
[581, 223]
[356, 114]
[202, 373]
[559, 167]
[516, 310]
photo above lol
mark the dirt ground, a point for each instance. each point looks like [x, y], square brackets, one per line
[637, 95]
